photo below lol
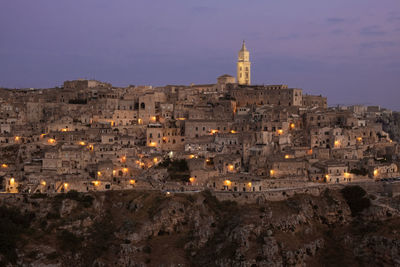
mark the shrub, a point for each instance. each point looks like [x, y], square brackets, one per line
[52, 256]
[85, 200]
[68, 241]
[147, 249]
[361, 171]
[154, 206]
[356, 198]
[178, 170]
[12, 225]
[99, 240]
[38, 195]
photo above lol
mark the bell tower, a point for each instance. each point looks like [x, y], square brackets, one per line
[243, 66]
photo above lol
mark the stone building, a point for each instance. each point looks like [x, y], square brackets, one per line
[243, 66]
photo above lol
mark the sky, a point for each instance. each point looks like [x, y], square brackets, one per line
[346, 50]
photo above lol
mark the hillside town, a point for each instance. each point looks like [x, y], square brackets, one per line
[230, 136]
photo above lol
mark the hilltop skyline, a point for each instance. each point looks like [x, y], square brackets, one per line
[348, 52]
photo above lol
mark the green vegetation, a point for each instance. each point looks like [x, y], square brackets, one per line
[38, 195]
[356, 199]
[13, 224]
[228, 218]
[391, 125]
[362, 171]
[155, 206]
[100, 239]
[84, 199]
[178, 169]
[68, 241]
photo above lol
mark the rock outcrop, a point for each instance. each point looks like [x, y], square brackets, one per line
[132, 228]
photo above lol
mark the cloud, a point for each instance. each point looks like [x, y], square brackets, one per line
[373, 30]
[393, 17]
[335, 20]
[292, 36]
[378, 44]
[337, 31]
[203, 10]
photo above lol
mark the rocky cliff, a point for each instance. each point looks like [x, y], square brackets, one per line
[132, 228]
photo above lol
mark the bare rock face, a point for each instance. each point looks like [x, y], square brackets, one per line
[152, 229]
[67, 206]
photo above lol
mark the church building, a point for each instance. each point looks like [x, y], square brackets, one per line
[243, 66]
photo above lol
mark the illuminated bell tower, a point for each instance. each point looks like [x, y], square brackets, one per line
[243, 66]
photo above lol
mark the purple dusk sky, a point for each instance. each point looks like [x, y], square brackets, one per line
[346, 50]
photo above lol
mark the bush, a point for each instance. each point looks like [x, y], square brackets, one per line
[178, 170]
[361, 171]
[38, 195]
[179, 165]
[154, 206]
[68, 241]
[356, 198]
[85, 200]
[100, 239]
[12, 225]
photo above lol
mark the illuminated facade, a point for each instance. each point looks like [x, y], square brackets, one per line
[243, 66]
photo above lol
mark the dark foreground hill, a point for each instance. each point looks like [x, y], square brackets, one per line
[132, 228]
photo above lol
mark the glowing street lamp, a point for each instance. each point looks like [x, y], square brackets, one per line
[152, 144]
[231, 167]
[337, 143]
